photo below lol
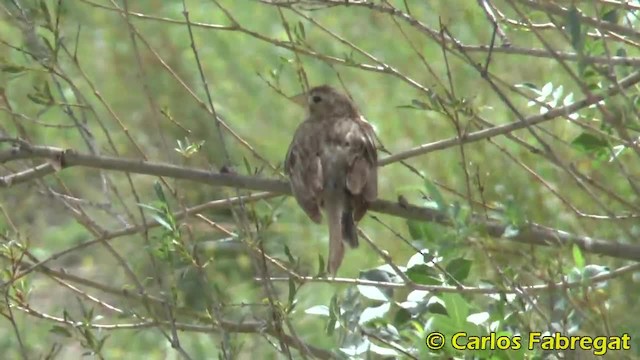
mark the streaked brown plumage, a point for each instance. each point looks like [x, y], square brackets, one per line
[331, 165]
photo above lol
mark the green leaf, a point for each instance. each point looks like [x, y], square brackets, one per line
[589, 143]
[149, 207]
[372, 292]
[592, 270]
[529, 85]
[385, 352]
[247, 166]
[287, 252]
[546, 90]
[416, 105]
[157, 187]
[443, 324]
[617, 150]
[292, 295]
[321, 267]
[423, 275]
[591, 78]
[514, 215]
[533, 88]
[457, 308]
[435, 194]
[557, 95]
[611, 16]
[334, 311]
[60, 330]
[574, 29]
[621, 52]
[39, 99]
[13, 69]
[459, 268]
[416, 229]
[374, 312]
[402, 316]
[321, 310]
[47, 15]
[162, 221]
[479, 318]
[46, 91]
[578, 258]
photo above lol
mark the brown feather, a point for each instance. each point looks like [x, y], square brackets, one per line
[331, 164]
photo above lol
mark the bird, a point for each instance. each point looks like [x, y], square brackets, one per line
[331, 164]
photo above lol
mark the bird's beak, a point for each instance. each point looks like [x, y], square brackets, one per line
[300, 99]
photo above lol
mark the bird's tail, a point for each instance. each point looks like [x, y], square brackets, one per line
[336, 246]
[342, 229]
[349, 229]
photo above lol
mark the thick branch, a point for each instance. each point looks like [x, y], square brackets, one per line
[531, 234]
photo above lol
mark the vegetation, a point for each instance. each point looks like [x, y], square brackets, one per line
[145, 213]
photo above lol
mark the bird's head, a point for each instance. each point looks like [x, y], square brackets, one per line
[325, 101]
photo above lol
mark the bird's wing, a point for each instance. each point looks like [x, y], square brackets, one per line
[362, 176]
[304, 168]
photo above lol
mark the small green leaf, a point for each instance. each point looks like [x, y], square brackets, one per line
[149, 207]
[611, 16]
[162, 221]
[514, 215]
[402, 316]
[321, 268]
[157, 187]
[374, 312]
[546, 90]
[12, 69]
[574, 29]
[373, 292]
[334, 311]
[459, 269]
[287, 252]
[60, 330]
[617, 150]
[46, 89]
[592, 270]
[529, 85]
[47, 15]
[39, 99]
[578, 258]
[247, 166]
[457, 308]
[321, 310]
[435, 194]
[621, 52]
[415, 105]
[556, 95]
[423, 275]
[416, 229]
[292, 295]
[589, 143]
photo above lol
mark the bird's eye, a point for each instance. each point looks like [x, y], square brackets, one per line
[316, 99]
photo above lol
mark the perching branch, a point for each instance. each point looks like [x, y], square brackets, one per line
[530, 234]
